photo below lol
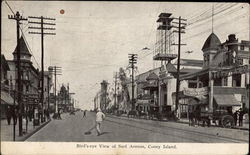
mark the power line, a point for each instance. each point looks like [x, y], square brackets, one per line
[23, 35]
[9, 7]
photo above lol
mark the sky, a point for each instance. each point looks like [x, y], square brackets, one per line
[93, 39]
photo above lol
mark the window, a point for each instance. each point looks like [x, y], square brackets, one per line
[27, 88]
[242, 47]
[224, 81]
[236, 78]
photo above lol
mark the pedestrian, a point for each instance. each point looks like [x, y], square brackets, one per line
[99, 118]
[235, 116]
[84, 113]
[14, 115]
[59, 114]
[47, 114]
[241, 113]
[8, 114]
[191, 119]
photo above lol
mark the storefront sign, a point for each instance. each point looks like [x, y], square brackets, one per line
[195, 91]
[230, 72]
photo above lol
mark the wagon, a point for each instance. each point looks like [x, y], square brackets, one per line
[221, 117]
[164, 113]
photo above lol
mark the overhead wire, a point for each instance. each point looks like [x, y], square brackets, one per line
[222, 7]
[22, 34]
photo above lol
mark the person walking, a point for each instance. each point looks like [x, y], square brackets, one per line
[99, 118]
[235, 116]
[8, 114]
[59, 114]
[241, 113]
[84, 113]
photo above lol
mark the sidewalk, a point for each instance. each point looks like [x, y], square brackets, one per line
[228, 133]
[244, 127]
[7, 130]
[186, 121]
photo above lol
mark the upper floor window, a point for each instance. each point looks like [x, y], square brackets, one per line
[242, 47]
[236, 79]
[224, 81]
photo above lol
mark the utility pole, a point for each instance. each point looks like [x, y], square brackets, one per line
[42, 33]
[48, 87]
[68, 96]
[116, 77]
[19, 18]
[132, 62]
[57, 71]
[181, 26]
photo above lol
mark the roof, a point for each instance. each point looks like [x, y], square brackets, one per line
[23, 47]
[190, 62]
[212, 42]
[219, 58]
[226, 100]
[152, 76]
[171, 68]
[143, 76]
[245, 42]
[189, 70]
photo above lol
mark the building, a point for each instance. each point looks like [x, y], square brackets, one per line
[224, 78]
[7, 101]
[29, 77]
[157, 87]
[47, 88]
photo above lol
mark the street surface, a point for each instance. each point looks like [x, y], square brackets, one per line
[121, 129]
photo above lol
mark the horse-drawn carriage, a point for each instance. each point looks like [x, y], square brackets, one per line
[164, 114]
[219, 116]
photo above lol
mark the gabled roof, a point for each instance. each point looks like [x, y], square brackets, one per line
[212, 42]
[23, 47]
[152, 76]
[190, 62]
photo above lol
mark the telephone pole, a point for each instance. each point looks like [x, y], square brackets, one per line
[19, 18]
[132, 62]
[57, 71]
[115, 95]
[180, 27]
[42, 33]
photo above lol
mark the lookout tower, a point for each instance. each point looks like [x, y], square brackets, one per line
[164, 39]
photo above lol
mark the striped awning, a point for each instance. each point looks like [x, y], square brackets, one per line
[6, 98]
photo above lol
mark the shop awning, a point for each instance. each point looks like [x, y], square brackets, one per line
[6, 98]
[226, 100]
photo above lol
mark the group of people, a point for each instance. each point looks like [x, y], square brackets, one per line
[11, 112]
[238, 117]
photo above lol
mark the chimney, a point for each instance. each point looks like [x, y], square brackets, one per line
[232, 38]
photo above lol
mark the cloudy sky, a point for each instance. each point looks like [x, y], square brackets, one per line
[93, 39]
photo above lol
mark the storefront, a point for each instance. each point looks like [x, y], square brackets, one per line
[7, 104]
